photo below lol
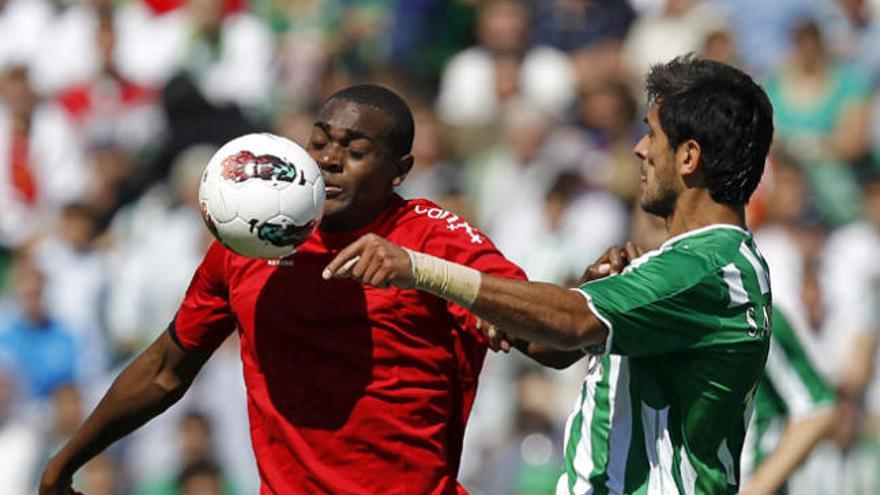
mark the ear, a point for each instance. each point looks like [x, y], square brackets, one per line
[687, 157]
[402, 168]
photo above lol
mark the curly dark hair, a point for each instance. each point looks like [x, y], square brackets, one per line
[725, 111]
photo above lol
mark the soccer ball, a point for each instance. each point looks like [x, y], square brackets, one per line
[261, 195]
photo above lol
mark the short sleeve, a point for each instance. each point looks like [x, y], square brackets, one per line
[651, 307]
[205, 317]
[462, 243]
[791, 374]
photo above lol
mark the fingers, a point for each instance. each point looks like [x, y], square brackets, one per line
[374, 261]
[498, 340]
[632, 250]
[617, 259]
[345, 258]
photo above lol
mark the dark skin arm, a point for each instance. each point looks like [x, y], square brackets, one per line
[612, 261]
[538, 312]
[154, 381]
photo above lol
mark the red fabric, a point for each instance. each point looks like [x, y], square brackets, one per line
[162, 6]
[351, 389]
[79, 101]
[21, 175]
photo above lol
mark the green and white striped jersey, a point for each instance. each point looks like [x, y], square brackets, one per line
[789, 389]
[688, 332]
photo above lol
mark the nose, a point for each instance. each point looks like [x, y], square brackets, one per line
[641, 148]
[328, 158]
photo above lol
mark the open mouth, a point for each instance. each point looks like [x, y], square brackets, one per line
[331, 191]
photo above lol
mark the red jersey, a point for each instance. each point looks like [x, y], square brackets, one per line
[351, 389]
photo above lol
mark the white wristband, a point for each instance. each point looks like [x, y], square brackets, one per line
[457, 283]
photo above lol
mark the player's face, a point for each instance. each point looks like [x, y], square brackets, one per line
[661, 183]
[350, 144]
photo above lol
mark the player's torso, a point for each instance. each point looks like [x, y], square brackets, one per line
[346, 375]
[677, 421]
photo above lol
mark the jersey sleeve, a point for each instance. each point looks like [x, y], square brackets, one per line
[655, 306]
[462, 243]
[205, 317]
[791, 374]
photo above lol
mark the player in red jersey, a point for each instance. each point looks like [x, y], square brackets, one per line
[351, 389]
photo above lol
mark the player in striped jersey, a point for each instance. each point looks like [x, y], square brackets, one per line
[678, 338]
[793, 411]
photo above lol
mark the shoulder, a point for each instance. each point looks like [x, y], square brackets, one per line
[689, 259]
[428, 221]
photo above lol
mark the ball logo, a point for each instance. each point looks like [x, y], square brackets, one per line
[245, 165]
[281, 235]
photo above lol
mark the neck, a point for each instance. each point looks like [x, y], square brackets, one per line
[696, 209]
[353, 218]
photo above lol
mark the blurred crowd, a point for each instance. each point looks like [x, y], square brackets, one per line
[526, 113]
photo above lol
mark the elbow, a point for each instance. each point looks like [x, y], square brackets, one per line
[172, 387]
[581, 332]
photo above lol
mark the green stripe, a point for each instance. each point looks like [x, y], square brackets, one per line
[574, 438]
[599, 431]
[636, 477]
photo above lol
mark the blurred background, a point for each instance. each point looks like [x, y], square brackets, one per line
[526, 113]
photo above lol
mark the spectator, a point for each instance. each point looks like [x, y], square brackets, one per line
[526, 459]
[425, 35]
[163, 227]
[228, 54]
[201, 478]
[197, 447]
[77, 273]
[821, 113]
[42, 351]
[762, 29]
[479, 81]
[22, 22]
[41, 159]
[106, 106]
[679, 29]
[434, 175]
[571, 25]
[19, 439]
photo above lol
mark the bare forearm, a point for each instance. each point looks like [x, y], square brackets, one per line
[146, 388]
[539, 313]
[547, 355]
[797, 441]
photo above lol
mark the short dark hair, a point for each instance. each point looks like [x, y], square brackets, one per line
[382, 98]
[722, 109]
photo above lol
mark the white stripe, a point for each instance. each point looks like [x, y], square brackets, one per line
[688, 473]
[726, 458]
[610, 338]
[763, 278]
[733, 278]
[787, 382]
[747, 457]
[621, 425]
[658, 445]
[583, 457]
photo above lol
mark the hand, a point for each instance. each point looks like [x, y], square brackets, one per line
[498, 340]
[374, 261]
[613, 261]
[53, 483]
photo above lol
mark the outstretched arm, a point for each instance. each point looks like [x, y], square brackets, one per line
[154, 381]
[538, 312]
[799, 438]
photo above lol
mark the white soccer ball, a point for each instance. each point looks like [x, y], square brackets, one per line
[262, 195]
